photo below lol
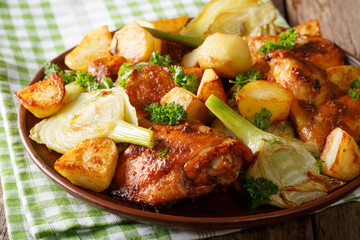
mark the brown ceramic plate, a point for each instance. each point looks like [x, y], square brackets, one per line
[223, 210]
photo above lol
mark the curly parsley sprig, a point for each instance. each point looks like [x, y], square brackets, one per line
[286, 41]
[262, 120]
[354, 91]
[258, 191]
[186, 80]
[169, 114]
[243, 78]
[159, 60]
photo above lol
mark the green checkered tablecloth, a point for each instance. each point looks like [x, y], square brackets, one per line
[31, 33]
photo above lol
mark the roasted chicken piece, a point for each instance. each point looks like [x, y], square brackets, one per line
[316, 124]
[305, 80]
[106, 67]
[188, 161]
[152, 83]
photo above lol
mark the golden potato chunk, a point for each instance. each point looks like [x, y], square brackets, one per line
[343, 76]
[134, 43]
[194, 107]
[170, 25]
[310, 28]
[45, 98]
[191, 59]
[226, 54]
[91, 164]
[93, 46]
[263, 94]
[341, 156]
[211, 85]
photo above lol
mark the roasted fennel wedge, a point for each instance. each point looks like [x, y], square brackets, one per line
[287, 162]
[97, 114]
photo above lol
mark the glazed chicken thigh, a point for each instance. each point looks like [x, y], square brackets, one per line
[189, 160]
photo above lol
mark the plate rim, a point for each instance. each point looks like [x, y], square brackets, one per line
[185, 222]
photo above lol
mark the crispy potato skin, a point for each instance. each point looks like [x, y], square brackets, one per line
[310, 28]
[211, 85]
[199, 160]
[343, 76]
[91, 164]
[44, 98]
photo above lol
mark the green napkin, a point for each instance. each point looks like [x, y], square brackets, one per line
[33, 32]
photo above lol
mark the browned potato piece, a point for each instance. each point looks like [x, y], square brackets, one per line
[343, 76]
[191, 59]
[310, 28]
[341, 156]
[263, 94]
[135, 43]
[45, 98]
[227, 54]
[211, 85]
[91, 164]
[93, 46]
[170, 25]
[194, 107]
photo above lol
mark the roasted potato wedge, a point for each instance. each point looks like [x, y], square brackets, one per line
[191, 59]
[211, 85]
[93, 46]
[91, 164]
[194, 107]
[45, 98]
[134, 43]
[310, 28]
[263, 94]
[343, 76]
[226, 54]
[170, 25]
[341, 156]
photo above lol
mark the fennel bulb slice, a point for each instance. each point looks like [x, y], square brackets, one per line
[287, 162]
[91, 115]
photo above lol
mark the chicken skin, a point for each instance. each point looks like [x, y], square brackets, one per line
[305, 80]
[151, 83]
[189, 160]
[314, 125]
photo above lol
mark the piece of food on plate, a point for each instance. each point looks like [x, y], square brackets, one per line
[211, 85]
[91, 164]
[287, 162]
[106, 67]
[188, 160]
[310, 28]
[341, 156]
[191, 59]
[305, 80]
[263, 94]
[343, 76]
[170, 25]
[226, 54]
[97, 114]
[93, 46]
[195, 108]
[241, 16]
[315, 124]
[44, 98]
[134, 43]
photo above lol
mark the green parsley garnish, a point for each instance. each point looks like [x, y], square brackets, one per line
[123, 74]
[243, 78]
[169, 114]
[186, 80]
[258, 191]
[262, 120]
[318, 165]
[140, 66]
[67, 76]
[354, 91]
[159, 60]
[160, 140]
[162, 153]
[286, 41]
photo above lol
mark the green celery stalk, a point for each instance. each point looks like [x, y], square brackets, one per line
[174, 37]
[130, 133]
